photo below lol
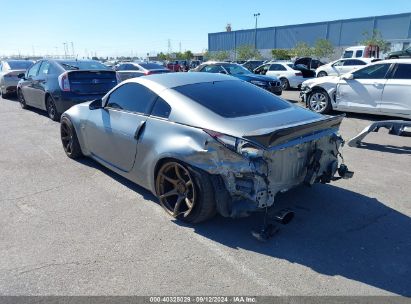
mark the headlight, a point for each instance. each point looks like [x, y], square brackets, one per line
[259, 83]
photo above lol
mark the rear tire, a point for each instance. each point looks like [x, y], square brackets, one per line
[185, 193]
[319, 101]
[51, 109]
[285, 85]
[69, 139]
[322, 74]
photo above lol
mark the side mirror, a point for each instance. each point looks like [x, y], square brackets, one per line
[347, 76]
[223, 72]
[21, 75]
[96, 104]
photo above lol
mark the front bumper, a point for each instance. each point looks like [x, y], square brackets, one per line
[304, 93]
[277, 90]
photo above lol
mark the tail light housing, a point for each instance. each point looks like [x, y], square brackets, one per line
[299, 74]
[237, 145]
[64, 82]
[148, 73]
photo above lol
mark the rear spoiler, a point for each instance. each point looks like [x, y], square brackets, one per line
[283, 135]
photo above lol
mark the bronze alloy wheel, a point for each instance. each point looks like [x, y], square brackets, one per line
[175, 189]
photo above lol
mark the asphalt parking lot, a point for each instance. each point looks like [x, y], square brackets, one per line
[74, 228]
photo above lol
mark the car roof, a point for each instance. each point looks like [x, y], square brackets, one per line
[159, 82]
[404, 60]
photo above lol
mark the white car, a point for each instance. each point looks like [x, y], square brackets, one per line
[383, 87]
[341, 66]
[284, 71]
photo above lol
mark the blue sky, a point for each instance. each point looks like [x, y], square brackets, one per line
[125, 27]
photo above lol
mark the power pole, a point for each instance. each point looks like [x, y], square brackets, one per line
[65, 50]
[72, 49]
[169, 46]
[255, 33]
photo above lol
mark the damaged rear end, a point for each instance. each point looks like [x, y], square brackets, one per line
[268, 161]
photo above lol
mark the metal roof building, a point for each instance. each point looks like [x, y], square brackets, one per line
[341, 33]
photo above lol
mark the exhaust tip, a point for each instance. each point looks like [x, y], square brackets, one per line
[284, 217]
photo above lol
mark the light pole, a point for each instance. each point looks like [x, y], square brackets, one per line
[256, 15]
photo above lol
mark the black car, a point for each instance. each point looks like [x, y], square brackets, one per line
[128, 70]
[272, 84]
[56, 85]
[251, 65]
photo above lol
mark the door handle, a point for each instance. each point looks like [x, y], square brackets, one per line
[139, 130]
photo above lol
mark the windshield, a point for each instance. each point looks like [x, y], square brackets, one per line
[83, 65]
[348, 54]
[235, 69]
[19, 64]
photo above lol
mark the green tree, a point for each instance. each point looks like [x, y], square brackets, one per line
[281, 54]
[302, 49]
[323, 48]
[188, 55]
[219, 56]
[375, 38]
[162, 56]
[246, 52]
[206, 55]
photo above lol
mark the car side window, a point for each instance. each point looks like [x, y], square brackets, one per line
[161, 108]
[277, 67]
[33, 70]
[131, 67]
[339, 63]
[132, 97]
[358, 53]
[212, 69]
[274, 67]
[403, 71]
[376, 71]
[354, 62]
[44, 68]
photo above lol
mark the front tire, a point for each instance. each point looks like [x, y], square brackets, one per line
[319, 101]
[69, 139]
[21, 99]
[322, 74]
[51, 109]
[185, 193]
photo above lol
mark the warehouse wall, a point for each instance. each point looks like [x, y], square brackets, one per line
[341, 33]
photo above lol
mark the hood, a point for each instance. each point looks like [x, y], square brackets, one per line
[321, 81]
[249, 77]
[395, 53]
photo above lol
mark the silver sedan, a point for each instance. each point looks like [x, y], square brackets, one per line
[205, 143]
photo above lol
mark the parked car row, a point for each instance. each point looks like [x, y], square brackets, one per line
[128, 70]
[271, 84]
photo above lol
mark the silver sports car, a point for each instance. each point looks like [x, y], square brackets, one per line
[205, 142]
